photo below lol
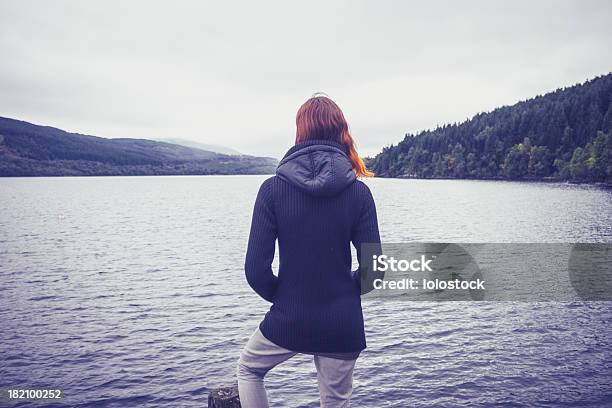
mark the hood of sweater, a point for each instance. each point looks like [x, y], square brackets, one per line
[320, 168]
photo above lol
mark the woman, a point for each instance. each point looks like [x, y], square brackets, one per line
[315, 207]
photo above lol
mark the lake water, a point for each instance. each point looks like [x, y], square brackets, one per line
[130, 292]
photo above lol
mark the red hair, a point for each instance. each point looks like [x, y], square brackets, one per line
[320, 118]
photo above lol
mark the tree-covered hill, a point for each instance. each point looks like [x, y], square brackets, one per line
[565, 135]
[32, 150]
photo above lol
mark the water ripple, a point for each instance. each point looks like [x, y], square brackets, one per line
[130, 301]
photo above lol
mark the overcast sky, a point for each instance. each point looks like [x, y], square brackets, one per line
[235, 74]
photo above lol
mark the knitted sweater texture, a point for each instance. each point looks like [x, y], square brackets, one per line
[315, 208]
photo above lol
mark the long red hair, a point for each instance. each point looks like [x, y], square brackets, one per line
[320, 118]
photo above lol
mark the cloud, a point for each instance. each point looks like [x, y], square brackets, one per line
[234, 73]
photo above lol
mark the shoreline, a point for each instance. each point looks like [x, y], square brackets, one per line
[549, 180]
[524, 180]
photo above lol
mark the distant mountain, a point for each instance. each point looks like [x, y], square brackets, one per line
[563, 135]
[202, 146]
[32, 150]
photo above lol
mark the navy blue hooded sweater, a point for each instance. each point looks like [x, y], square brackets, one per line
[315, 207]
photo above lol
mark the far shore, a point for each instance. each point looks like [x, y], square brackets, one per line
[549, 180]
[522, 180]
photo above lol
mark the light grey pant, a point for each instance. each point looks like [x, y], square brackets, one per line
[260, 355]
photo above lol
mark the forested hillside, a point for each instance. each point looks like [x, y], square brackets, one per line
[565, 135]
[32, 150]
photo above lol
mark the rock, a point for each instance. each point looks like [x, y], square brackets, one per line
[224, 398]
